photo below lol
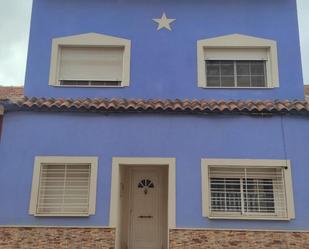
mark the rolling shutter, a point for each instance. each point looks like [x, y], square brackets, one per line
[91, 64]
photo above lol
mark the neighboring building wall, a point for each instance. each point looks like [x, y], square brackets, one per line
[11, 91]
[307, 92]
[29, 134]
[164, 63]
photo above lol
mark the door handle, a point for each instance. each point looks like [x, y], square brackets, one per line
[145, 216]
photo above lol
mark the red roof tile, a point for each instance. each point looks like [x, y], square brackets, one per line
[11, 98]
[159, 106]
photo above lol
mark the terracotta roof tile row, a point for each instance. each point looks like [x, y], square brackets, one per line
[156, 106]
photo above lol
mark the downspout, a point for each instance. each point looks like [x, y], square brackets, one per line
[284, 139]
[1, 119]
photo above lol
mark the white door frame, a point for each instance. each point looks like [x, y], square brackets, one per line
[115, 189]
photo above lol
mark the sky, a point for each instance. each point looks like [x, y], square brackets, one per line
[14, 34]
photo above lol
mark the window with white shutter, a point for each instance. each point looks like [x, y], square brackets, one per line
[64, 186]
[247, 189]
[91, 66]
[90, 60]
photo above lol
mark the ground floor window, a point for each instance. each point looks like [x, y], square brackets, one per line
[64, 186]
[247, 189]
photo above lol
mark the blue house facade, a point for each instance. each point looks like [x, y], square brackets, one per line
[157, 125]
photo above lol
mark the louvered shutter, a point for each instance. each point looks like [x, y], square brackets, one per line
[64, 189]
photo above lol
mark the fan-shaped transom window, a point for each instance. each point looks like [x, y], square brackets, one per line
[145, 183]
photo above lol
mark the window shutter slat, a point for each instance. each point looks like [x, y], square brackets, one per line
[64, 189]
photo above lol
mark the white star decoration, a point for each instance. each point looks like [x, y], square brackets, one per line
[164, 22]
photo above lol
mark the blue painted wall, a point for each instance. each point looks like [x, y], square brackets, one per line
[164, 63]
[26, 135]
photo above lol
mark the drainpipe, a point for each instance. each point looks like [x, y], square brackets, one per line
[1, 119]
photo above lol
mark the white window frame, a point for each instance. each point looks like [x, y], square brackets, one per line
[237, 41]
[248, 163]
[89, 40]
[39, 161]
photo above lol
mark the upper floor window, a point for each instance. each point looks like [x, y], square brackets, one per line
[247, 189]
[236, 73]
[90, 60]
[237, 61]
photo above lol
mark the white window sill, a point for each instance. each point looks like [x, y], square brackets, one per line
[249, 218]
[60, 86]
[237, 88]
[61, 215]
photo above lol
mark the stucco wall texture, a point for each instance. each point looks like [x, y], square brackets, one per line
[187, 138]
[164, 63]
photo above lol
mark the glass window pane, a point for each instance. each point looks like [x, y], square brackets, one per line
[259, 196]
[258, 81]
[217, 194]
[227, 68]
[227, 81]
[213, 70]
[233, 196]
[258, 68]
[225, 194]
[243, 81]
[243, 68]
[249, 73]
[213, 81]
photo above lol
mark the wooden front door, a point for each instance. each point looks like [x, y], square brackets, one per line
[146, 209]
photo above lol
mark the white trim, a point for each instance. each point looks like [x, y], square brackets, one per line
[39, 160]
[89, 40]
[239, 41]
[142, 161]
[50, 226]
[240, 230]
[205, 163]
[176, 228]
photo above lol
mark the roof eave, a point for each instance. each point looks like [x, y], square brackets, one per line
[247, 107]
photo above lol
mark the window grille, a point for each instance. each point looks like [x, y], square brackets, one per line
[247, 191]
[236, 73]
[64, 189]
